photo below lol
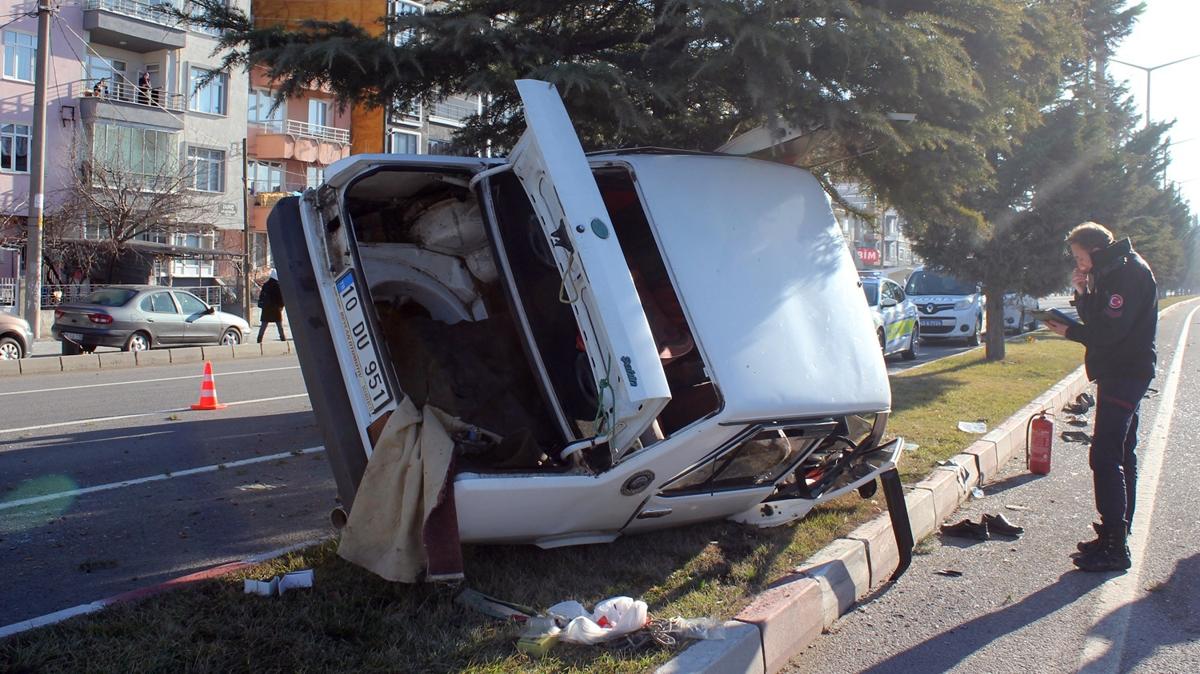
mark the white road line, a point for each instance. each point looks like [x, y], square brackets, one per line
[146, 381]
[1105, 642]
[34, 500]
[122, 417]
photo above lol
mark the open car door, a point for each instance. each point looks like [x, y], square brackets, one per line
[555, 175]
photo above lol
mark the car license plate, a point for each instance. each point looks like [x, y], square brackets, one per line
[371, 379]
[74, 336]
[933, 322]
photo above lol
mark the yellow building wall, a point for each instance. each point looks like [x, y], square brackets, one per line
[367, 125]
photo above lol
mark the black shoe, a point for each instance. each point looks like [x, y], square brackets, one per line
[967, 529]
[1112, 553]
[999, 524]
[1094, 544]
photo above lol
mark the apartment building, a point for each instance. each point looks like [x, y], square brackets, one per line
[129, 83]
[878, 243]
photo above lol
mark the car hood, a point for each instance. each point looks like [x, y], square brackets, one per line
[768, 283]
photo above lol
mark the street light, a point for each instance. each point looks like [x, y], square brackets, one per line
[1150, 71]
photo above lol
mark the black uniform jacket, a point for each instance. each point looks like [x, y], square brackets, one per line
[1119, 317]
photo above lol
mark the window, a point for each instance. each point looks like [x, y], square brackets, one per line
[159, 303]
[207, 169]
[403, 142]
[265, 176]
[262, 249]
[190, 303]
[193, 267]
[261, 109]
[14, 148]
[318, 112]
[314, 176]
[147, 154]
[207, 97]
[110, 297]
[20, 53]
[404, 8]
[439, 146]
[112, 72]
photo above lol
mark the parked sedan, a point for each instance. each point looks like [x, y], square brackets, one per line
[15, 337]
[1018, 312]
[136, 318]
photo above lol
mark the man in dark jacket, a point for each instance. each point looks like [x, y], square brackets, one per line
[1117, 300]
[270, 301]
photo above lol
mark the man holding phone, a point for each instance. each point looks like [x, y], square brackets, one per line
[1117, 300]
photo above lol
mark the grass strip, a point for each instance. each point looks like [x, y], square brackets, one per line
[353, 621]
[1174, 299]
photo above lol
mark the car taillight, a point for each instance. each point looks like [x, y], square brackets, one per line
[59, 313]
[102, 319]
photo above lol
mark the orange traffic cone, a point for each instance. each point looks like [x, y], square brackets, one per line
[208, 391]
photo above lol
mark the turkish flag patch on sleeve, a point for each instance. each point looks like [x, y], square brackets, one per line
[1116, 302]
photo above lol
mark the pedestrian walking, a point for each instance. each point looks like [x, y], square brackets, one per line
[270, 301]
[1117, 300]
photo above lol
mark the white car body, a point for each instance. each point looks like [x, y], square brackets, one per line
[1018, 312]
[949, 309]
[779, 338]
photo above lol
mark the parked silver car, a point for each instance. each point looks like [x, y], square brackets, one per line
[16, 339]
[136, 318]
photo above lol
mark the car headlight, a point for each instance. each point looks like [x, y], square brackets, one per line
[963, 304]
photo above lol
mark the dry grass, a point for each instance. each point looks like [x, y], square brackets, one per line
[1175, 299]
[353, 621]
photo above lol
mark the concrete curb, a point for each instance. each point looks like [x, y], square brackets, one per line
[150, 590]
[111, 360]
[793, 612]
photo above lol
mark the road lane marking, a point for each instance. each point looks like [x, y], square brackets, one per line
[34, 500]
[1104, 644]
[123, 417]
[146, 381]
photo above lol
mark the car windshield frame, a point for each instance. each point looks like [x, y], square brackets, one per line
[943, 285]
[110, 297]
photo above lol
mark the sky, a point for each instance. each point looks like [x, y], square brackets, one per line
[1166, 32]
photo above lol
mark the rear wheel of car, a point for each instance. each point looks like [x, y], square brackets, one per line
[232, 337]
[138, 341]
[10, 349]
[973, 340]
[914, 344]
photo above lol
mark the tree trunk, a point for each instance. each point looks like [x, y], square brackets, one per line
[994, 337]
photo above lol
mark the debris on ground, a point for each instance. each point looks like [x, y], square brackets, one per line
[1083, 403]
[1076, 436]
[1018, 508]
[982, 530]
[976, 427]
[1077, 421]
[294, 580]
[949, 573]
[490, 606]
[97, 565]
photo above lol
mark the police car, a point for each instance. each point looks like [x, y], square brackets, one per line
[949, 307]
[895, 316]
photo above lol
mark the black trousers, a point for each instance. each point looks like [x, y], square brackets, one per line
[262, 330]
[1113, 455]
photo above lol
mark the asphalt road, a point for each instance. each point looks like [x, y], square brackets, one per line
[58, 435]
[1019, 605]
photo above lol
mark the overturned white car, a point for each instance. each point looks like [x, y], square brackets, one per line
[644, 338]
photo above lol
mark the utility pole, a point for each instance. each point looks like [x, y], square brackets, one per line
[247, 257]
[1149, 72]
[37, 176]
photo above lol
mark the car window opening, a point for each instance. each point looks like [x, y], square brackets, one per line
[924, 282]
[449, 331]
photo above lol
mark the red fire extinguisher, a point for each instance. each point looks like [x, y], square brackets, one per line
[1039, 437]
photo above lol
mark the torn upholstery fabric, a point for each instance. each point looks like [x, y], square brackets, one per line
[403, 525]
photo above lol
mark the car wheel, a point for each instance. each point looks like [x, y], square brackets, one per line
[882, 343]
[10, 349]
[1021, 323]
[973, 340]
[138, 341]
[232, 337]
[914, 344]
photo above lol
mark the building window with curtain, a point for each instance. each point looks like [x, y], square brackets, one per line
[318, 112]
[207, 169]
[403, 142]
[314, 176]
[261, 109]
[149, 155]
[14, 148]
[265, 176]
[207, 96]
[404, 8]
[20, 53]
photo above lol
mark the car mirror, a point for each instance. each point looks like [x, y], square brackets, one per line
[210, 311]
[888, 302]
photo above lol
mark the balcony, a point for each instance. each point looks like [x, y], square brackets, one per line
[292, 139]
[452, 111]
[136, 26]
[125, 102]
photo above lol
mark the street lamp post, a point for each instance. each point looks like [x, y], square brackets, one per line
[1149, 72]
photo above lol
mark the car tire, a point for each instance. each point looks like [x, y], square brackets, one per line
[973, 340]
[138, 341]
[10, 349]
[914, 344]
[232, 337]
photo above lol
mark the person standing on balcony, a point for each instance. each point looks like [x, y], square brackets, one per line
[144, 88]
[270, 301]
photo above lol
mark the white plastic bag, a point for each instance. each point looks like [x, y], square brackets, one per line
[611, 619]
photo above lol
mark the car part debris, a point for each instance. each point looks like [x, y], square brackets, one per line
[491, 606]
[949, 573]
[293, 580]
[976, 427]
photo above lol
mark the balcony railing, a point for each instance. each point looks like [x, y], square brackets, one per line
[453, 110]
[158, 12]
[124, 92]
[292, 127]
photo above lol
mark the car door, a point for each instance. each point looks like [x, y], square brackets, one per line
[889, 305]
[554, 173]
[163, 317]
[201, 326]
[906, 315]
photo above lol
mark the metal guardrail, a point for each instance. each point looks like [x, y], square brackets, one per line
[150, 11]
[125, 92]
[331, 134]
[9, 291]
